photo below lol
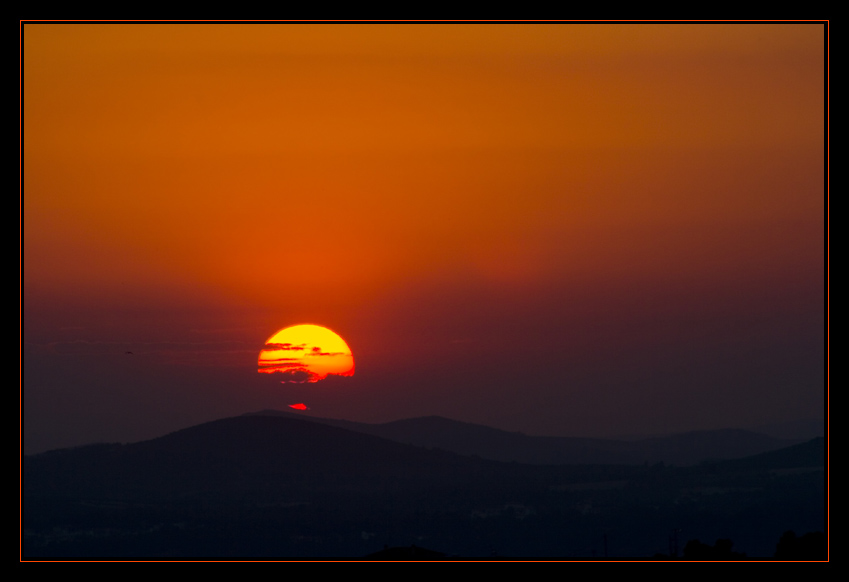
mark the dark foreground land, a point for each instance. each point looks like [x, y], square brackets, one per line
[278, 487]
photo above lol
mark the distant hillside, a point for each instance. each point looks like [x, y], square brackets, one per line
[798, 429]
[275, 486]
[225, 454]
[489, 443]
[811, 454]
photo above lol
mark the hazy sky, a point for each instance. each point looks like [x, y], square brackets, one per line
[566, 229]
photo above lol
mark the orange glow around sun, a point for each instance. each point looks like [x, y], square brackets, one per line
[306, 353]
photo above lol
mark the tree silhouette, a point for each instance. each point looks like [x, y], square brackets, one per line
[811, 546]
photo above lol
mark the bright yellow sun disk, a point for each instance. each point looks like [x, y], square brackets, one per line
[306, 353]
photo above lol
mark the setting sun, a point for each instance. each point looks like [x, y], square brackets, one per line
[306, 353]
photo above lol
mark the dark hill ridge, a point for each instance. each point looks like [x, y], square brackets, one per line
[810, 454]
[273, 486]
[489, 443]
[266, 451]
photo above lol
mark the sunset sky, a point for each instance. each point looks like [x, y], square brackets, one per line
[562, 229]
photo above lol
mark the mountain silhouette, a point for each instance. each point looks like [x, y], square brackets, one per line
[272, 486]
[263, 451]
[489, 443]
